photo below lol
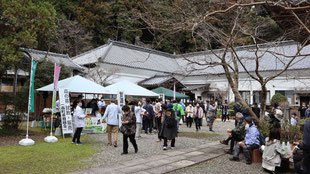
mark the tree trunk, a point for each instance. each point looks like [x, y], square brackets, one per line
[263, 102]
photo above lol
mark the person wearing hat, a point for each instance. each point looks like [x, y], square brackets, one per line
[251, 141]
[237, 134]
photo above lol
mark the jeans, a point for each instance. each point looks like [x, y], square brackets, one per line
[246, 151]
[131, 139]
[147, 124]
[77, 134]
[172, 142]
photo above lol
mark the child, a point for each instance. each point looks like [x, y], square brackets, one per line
[169, 128]
[273, 151]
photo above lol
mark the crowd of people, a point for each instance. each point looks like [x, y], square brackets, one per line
[164, 120]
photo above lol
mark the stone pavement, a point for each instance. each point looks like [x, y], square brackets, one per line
[168, 161]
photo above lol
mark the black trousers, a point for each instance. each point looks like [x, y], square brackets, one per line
[131, 139]
[159, 126]
[197, 123]
[166, 142]
[224, 117]
[147, 124]
[77, 134]
[232, 142]
[306, 154]
[189, 121]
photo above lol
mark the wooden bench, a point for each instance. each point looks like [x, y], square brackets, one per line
[256, 156]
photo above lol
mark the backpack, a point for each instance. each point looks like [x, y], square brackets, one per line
[177, 112]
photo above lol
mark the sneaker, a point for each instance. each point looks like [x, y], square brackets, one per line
[72, 142]
[164, 148]
[234, 159]
[212, 131]
[80, 143]
[173, 148]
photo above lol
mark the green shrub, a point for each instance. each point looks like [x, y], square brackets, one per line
[231, 105]
[290, 133]
[264, 127]
[231, 112]
[277, 99]
[11, 120]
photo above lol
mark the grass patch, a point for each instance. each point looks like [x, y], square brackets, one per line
[198, 135]
[60, 157]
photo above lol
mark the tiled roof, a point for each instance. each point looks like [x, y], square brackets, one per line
[138, 57]
[156, 80]
[268, 62]
[62, 59]
[91, 56]
[123, 54]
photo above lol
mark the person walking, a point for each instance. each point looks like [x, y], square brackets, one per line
[212, 115]
[224, 111]
[128, 129]
[198, 115]
[169, 128]
[302, 109]
[157, 113]
[111, 118]
[79, 121]
[148, 118]
[189, 115]
[179, 111]
[138, 111]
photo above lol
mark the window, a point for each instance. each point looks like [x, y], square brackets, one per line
[288, 94]
[257, 97]
[245, 95]
[6, 85]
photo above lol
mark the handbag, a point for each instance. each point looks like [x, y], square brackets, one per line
[123, 129]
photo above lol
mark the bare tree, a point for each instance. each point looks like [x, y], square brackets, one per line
[103, 76]
[225, 25]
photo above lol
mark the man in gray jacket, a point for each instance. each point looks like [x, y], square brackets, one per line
[111, 117]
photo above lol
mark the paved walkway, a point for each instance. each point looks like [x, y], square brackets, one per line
[168, 161]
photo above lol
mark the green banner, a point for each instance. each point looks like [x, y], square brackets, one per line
[31, 87]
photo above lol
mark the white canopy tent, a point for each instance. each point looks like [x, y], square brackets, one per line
[130, 89]
[78, 84]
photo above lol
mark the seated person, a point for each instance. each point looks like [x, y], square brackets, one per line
[236, 134]
[251, 141]
[273, 151]
[298, 157]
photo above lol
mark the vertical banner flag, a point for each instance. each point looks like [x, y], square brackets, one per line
[56, 77]
[31, 87]
[65, 111]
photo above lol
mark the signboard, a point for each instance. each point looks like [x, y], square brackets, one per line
[162, 96]
[65, 111]
[94, 125]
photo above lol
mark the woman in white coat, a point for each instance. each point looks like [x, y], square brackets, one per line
[79, 121]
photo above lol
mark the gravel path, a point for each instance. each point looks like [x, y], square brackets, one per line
[148, 146]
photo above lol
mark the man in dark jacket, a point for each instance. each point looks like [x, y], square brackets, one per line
[236, 134]
[306, 147]
[224, 108]
[148, 119]
[256, 110]
[302, 109]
